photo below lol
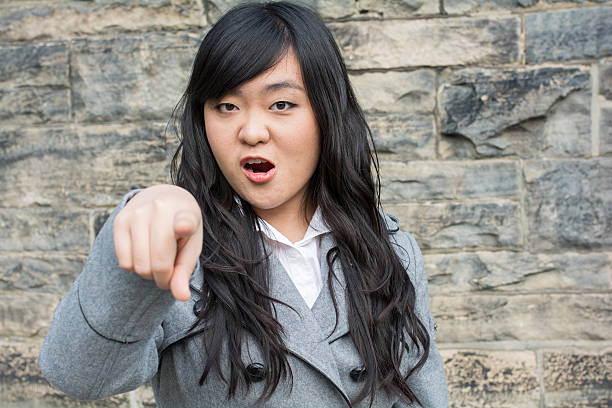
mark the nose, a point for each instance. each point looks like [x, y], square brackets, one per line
[254, 129]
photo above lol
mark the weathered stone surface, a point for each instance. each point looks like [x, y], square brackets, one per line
[44, 229]
[410, 136]
[470, 6]
[511, 271]
[605, 131]
[577, 378]
[460, 225]
[605, 80]
[34, 65]
[541, 317]
[429, 42]
[44, 274]
[87, 166]
[325, 8]
[568, 34]
[569, 203]
[129, 81]
[431, 180]
[26, 314]
[34, 105]
[491, 378]
[396, 92]
[99, 218]
[502, 112]
[396, 8]
[66, 20]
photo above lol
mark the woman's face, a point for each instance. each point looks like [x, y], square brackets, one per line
[265, 138]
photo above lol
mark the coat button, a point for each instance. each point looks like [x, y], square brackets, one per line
[256, 372]
[358, 374]
[197, 307]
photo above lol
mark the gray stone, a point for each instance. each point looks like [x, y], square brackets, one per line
[397, 8]
[325, 8]
[577, 378]
[605, 80]
[461, 225]
[428, 42]
[87, 166]
[44, 229]
[408, 136]
[129, 79]
[99, 218]
[431, 180]
[512, 272]
[583, 33]
[26, 314]
[65, 20]
[34, 65]
[523, 317]
[40, 274]
[479, 379]
[569, 203]
[34, 105]
[605, 131]
[526, 113]
[396, 92]
[470, 6]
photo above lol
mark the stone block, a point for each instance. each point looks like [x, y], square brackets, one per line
[569, 203]
[523, 317]
[130, 79]
[428, 42]
[517, 272]
[479, 379]
[70, 19]
[34, 105]
[430, 180]
[605, 131]
[408, 136]
[325, 8]
[34, 65]
[99, 218]
[583, 33]
[605, 80]
[26, 314]
[44, 229]
[396, 92]
[397, 8]
[577, 378]
[81, 166]
[39, 274]
[508, 112]
[461, 225]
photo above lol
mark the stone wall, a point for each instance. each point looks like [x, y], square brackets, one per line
[493, 119]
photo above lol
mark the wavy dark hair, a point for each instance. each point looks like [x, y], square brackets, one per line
[245, 42]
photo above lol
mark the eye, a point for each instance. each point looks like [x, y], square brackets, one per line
[282, 106]
[226, 107]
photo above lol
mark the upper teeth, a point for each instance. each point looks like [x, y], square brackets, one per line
[256, 161]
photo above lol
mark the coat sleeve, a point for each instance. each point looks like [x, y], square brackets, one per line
[106, 331]
[429, 382]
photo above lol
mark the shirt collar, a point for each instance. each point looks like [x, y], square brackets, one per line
[316, 227]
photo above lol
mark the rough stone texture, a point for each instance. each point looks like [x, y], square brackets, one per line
[37, 165]
[326, 8]
[430, 180]
[471, 6]
[44, 229]
[414, 43]
[605, 80]
[138, 78]
[491, 379]
[34, 65]
[577, 378]
[569, 34]
[34, 105]
[397, 8]
[510, 272]
[461, 225]
[524, 317]
[569, 203]
[409, 136]
[26, 314]
[40, 274]
[605, 131]
[502, 112]
[58, 21]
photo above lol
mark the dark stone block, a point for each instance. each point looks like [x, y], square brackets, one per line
[48, 274]
[34, 65]
[410, 136]
[605, 80]
[34, 105]
[583, 33]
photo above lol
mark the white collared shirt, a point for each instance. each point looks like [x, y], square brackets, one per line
[300, 259]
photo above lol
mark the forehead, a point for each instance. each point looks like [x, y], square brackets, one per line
[286, 73]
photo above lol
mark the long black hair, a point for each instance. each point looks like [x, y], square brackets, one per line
[245, 42]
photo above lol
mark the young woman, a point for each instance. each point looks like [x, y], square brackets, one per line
[287, 286]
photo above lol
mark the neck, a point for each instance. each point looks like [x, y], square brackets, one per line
[292, 224]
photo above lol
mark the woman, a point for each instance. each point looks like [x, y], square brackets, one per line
[287, 285]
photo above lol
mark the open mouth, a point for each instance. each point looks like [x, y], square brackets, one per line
[258, 166]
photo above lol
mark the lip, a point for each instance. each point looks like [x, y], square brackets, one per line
[257, 177]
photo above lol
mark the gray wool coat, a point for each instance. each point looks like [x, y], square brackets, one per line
[114, 331]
